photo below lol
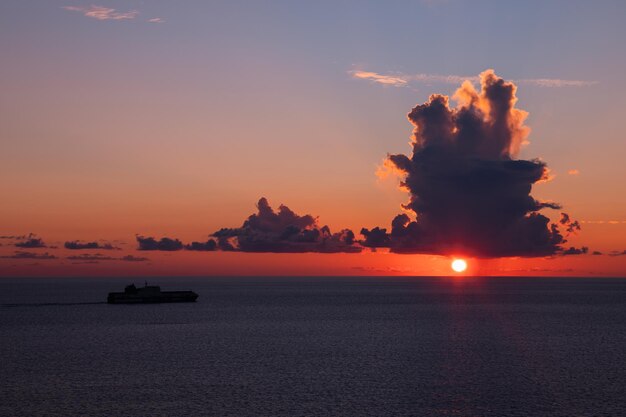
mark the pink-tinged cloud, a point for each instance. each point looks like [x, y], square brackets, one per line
[396, 81]
[403, 80]
[573, 172]
[555, 83]
[156, 20]
[102, 13]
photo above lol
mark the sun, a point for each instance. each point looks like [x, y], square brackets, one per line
[459, 265]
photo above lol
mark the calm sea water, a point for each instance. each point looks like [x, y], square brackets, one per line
[316, 347]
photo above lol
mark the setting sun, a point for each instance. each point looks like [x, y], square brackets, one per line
[459, 265]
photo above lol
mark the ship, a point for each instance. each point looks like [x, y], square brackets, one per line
[150, 294]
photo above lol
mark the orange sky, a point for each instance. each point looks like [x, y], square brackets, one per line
[112, 128]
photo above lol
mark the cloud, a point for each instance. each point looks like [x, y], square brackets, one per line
[156, 20]
[29, 255]
[284, 232]
[617, 253]
[31, 242]
[88, 257]
[405, 80]
[78, 245]
[573, 172]
[209, 245]
[223, 243]
[612, 222]
[576, 251]
[595, 252]
[131, 258]
[102, 13]
[165, 244]
[569, 225]
[397, 81]
[556, 83]
[469, 194]
[376, 238]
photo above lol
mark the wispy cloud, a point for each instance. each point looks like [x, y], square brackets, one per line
[603, 221]
[87, 257]
[102, 13]
[405, 80]
[156, 20]
[29, 255]
[397, 81]
[131, 258]
[99, 257]
[573, 172]
[556, 83]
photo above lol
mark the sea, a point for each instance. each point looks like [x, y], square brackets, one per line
[316, 346]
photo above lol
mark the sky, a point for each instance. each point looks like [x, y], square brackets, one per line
[173, 119]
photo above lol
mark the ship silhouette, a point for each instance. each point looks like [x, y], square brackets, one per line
[150, 294]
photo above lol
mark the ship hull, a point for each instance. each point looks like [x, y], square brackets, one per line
[163, 297]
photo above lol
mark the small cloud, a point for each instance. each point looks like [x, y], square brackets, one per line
[14, 237]
[131, 258]
[78, 245]
[396, 81]
[556, 83]
[156, 20]
[617, 253]
[88, 257]
[612, 222]
[569, 225]
[165, 244]
[576, 251]
[596, 252]
[31, 242]
[573, 172]
[29, 255]
[96, 258]
[102, 13]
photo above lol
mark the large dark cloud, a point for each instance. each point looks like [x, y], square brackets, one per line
[284, 231]
[164, 244]
[468, 193]
[78, 245]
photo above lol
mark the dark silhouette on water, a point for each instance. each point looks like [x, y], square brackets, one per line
[150, 294]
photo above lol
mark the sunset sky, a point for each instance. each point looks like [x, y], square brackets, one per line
[172, 119]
